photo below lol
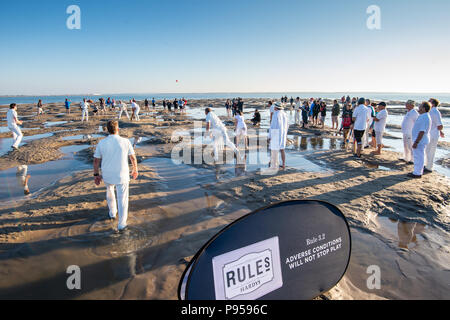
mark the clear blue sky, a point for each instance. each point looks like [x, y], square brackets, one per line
[223, 46]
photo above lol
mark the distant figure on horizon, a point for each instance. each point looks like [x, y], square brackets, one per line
[84, 110]
[67, 105]
[123, 108]
[13, 125]
[40, 109]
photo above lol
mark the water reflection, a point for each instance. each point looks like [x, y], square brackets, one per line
[22, 178]
[407, 232]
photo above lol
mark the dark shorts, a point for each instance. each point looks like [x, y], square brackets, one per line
[358, 135]
[373, 134]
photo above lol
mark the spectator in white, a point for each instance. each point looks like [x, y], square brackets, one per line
[135, 107]
[298, 110]
[379, 126]
[370, 115]
[421, 138]
[360, 119]
[123, 108]
[436, 131]
[407, 126]
[219, 133]
[113, 153]
[278, 135]
[84, 110]
[240, 128]
[13, 125]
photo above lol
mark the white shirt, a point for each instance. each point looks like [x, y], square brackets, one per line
[84, 105]
[11, 115]
[380, 125]
[114, 151]
[215, 122]
[123, 106]
[360, 113]
[298, 106]
[423, 123]
[272, 108]
[408, 121]
[436, 121]
[240, 122]
[135, 106]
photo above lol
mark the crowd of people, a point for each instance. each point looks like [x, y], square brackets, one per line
[360, 118]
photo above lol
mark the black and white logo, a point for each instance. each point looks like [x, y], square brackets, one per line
[248, 273]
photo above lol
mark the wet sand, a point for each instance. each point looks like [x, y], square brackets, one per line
[397, 223]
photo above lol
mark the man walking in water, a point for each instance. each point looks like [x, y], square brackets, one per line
[113, 153]
[13, 125]
[219, 133]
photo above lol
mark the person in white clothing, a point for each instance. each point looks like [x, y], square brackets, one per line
[84, 110]
[421, 139]
[135, 107]
[241, 128]
[278, 135]
[379, 126]
[370, 115]
[113, 153]
[407, 126]
[271, 109]
[13, 125]
[123, 108]
[298, 110]
[436, 131]
[219, 133]
[360, 116]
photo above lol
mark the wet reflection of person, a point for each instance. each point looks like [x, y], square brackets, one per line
[23, 178]
[407, 232]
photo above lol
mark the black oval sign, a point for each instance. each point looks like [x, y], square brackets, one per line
[287, 251]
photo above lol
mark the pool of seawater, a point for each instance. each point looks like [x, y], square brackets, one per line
[83, 137]
[41, 175]
[6, 143]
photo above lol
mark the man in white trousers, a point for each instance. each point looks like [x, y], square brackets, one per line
[278, 136]
[219, 133]
[84, 110]
[436, 131]
[135, 107]
[113, 153]
[13, 125]
[123, 108]
[407, 126]
[421, 139]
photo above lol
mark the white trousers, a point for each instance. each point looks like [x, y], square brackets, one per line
[431, 152]
[17, 135]
[419, 159]
[407, 146]
[220, 138]
[85, 114]
[136, 114]
[122, 200]
[126, 112]
[297, 117]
